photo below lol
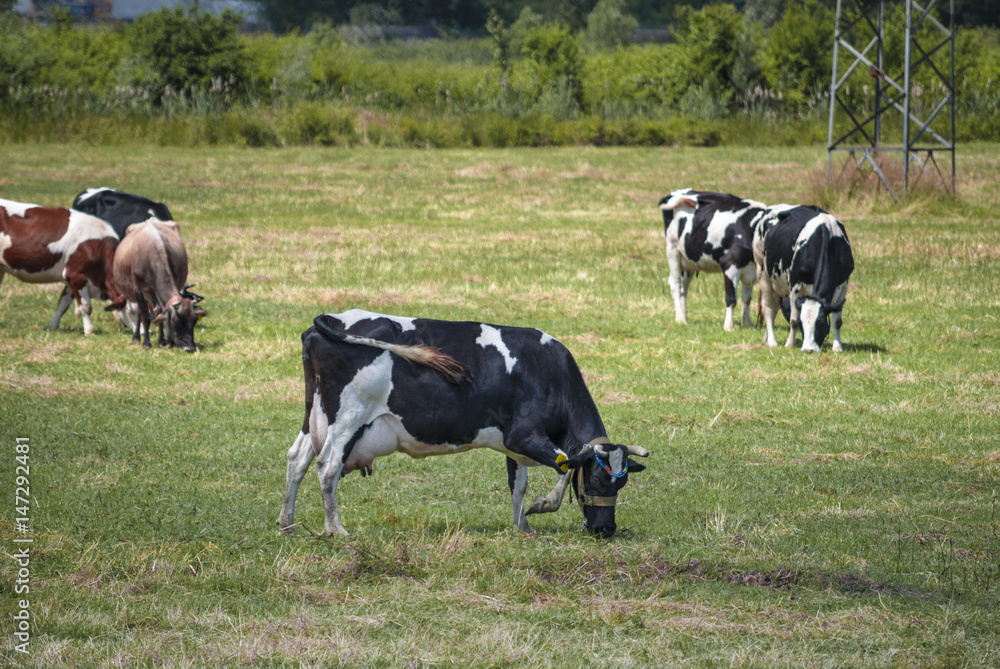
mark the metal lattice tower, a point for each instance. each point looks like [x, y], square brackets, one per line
[918, 142]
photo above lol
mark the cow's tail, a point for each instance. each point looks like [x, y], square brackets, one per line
[428, 356]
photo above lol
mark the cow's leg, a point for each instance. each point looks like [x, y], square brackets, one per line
[838, 318]
[679, 280]
[793, 318]
[553, 500]
[83, 302]
[838, 321]
[65, 299]
[137, 325]
[748, 277]
[329, 478]
[769, 304]
[299, 456]
[517, 479]
[332, 441]
[143, 323]
[730, 280]
[809, 314]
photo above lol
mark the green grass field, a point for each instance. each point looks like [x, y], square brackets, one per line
[797, 510]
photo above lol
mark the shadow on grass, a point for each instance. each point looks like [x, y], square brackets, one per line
[864, 348]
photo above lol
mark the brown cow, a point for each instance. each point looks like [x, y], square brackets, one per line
[150, 269]
[55, 245]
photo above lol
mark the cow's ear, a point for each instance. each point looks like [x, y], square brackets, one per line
[159, 319]
[200, 313]
[634, 467]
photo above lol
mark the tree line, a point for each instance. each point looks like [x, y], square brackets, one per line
[750, 74]
[471, 15]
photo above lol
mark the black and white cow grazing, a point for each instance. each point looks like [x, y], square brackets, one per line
[119, 209]
[802, 252]
[710, 232]
[379, 384]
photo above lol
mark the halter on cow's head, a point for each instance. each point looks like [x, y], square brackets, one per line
[601, 470]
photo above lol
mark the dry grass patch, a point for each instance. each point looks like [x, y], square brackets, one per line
[45, 386]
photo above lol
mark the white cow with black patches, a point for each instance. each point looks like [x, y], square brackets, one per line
[710, 232]
[803, 252]
[378, 384]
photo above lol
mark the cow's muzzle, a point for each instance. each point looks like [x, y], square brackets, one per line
[598, 511]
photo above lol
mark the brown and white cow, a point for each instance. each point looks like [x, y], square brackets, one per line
[150, 269]
[54, 245]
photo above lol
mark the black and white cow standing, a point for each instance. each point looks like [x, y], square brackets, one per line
[379, 384]
[802, 252]
[710, 232]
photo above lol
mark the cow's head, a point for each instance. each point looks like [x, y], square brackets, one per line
[179, 318]
[600, 471]
[814, 317]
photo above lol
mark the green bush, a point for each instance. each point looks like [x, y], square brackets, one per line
[609, 26]
[189, 49]
[242, 127]
[709, 41]
[798, 53]
[322, 124]
[638, 81]
[554, 59]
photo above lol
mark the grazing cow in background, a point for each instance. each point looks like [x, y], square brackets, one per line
[710, 232]
[379, 384]
[120, 210]
[150, 269]
[802, 252]
[55, 245]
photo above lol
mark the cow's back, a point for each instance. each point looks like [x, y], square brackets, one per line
[507, 366]
[718, 225]
[118, 209]
[491, 350]
[151, 256]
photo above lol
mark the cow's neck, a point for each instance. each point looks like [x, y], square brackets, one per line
[585, 424]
